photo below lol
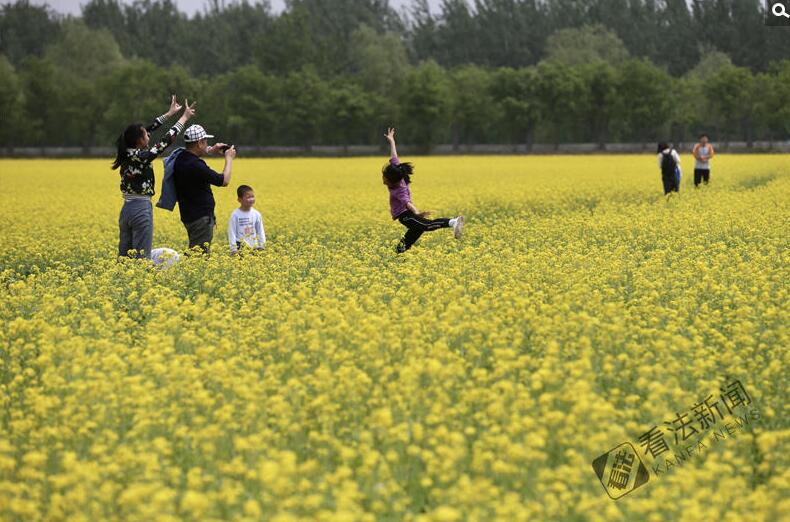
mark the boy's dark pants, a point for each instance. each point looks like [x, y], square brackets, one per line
[201, 232]
[136, 226]
[701, 175]
[416, 225]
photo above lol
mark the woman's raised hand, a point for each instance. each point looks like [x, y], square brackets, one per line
[174, 106]
[189, 110]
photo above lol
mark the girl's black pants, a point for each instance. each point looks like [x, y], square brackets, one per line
[416, 225]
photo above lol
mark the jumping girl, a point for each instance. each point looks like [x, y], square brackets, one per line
[397, 177]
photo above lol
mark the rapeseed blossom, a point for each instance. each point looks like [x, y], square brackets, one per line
[328, 378]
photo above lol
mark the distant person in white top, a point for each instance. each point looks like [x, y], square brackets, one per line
[669, 163]
[246, 224]
[703, 153]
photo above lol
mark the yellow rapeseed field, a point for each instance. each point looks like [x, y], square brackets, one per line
[330, 379]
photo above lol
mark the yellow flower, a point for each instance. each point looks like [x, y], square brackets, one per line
[327, 378]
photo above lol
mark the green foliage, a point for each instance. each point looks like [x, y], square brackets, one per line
[306, 97]
[250, 97]
[42, 97]
[139, 91]
[774, 96]
[350, 113]
[88, 53]
[472, 106]
[733, 96]
[645, 100]
[378, 61]
[563, 100]
[711, 62]
[425, 105]
[338, 72]
[515, 92]
[11, 101]
[587, 44]
[603, 85]
[26, 30]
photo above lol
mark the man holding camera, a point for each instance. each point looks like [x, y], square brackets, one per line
[193, 180]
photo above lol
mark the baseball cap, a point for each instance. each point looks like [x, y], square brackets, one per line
[195, 133]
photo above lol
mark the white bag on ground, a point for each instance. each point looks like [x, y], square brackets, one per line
[164, 257]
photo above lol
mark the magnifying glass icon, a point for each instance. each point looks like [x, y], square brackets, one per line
[779, 10]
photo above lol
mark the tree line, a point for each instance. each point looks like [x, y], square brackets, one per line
[336, 72]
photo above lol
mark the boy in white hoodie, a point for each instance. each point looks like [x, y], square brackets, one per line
[245, 223]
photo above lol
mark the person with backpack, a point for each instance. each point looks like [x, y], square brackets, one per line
[669, 163]
[192, 180]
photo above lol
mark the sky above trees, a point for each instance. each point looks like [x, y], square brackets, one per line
[190, 7]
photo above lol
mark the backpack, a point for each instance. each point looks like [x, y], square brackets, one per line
[668, 164]
[168, 196]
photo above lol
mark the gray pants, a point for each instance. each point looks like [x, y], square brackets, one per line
[136, 225]
[201, 232]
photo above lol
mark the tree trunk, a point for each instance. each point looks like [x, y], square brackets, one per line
[749, 136]
[601, 134]
[530, 138]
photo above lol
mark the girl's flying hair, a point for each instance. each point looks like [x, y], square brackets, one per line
[393, 174]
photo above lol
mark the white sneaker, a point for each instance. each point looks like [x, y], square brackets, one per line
[458, 229]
